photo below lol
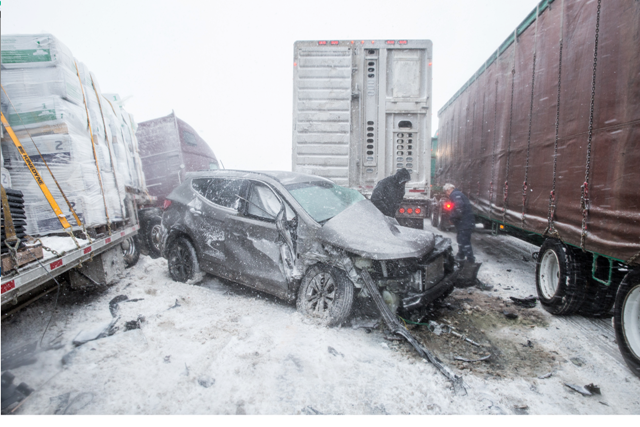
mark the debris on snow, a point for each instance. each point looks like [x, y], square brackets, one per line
[510, 314]
[582, 390]
[311, 411]
[594, 389]
[177, 304]
[463, 359]
[334, 352]
[100, 331]
[60, 403]
[528, 302]
[206, 381]
[578, 361]
[545, 376]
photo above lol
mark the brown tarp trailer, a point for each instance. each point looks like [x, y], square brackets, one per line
[547, 132]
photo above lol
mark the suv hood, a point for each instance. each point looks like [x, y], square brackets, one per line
[363, 230]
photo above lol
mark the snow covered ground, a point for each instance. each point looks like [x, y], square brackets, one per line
[220, 348]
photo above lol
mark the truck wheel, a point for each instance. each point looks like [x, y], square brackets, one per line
[599, 299]
[130, 251]
[325, 295]
[434, 215]
[153, 234]
[627, 320]
[183, 260]
[442, 221]
[560, 286]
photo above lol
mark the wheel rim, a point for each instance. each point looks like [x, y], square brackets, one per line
[156, 236]
[549, 274]
[181, 262]
[320, 294]
[631, 320]
[129, 252]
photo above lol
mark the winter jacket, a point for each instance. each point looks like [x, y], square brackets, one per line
[462, 215]
[389, 192]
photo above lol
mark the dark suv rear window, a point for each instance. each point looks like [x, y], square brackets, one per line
[225, 192]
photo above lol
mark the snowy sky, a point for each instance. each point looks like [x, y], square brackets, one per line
[226, 68]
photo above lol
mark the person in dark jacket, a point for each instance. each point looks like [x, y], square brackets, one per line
[389, 192]
[462, 217]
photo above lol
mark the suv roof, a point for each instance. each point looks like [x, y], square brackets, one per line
[283, 177]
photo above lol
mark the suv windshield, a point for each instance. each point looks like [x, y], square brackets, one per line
[323, 200]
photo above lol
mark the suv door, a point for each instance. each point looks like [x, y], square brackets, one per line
[255, 245]
[220, 200]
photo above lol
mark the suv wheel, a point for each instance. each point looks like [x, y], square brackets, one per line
[326, 295]
[183, 260]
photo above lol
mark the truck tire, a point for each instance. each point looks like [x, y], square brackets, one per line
[599, 299]
[442, 220]
[153, 236]
[559, 282]
[435, 215]
[325, 295]
[131, 251]
[183, 261]
[626, 320]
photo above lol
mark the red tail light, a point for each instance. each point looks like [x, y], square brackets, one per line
[418, 210]
[166, 204]
[401, 210]
[448, 206]
[410, 211]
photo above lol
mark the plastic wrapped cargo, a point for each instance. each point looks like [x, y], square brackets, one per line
[44, 109]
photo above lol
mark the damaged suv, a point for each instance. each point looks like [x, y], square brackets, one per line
[301, 237]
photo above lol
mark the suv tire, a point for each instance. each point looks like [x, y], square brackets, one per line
[325, 295]
[183, 261]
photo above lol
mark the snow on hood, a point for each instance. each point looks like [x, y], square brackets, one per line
[365, 231]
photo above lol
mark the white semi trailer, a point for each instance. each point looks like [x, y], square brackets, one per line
[361, 111]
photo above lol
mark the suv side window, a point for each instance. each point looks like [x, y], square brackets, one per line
[225, 192]
[264, 204]
[200, 185]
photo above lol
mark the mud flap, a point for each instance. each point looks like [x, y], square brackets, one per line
[468, 275]
[394, 325]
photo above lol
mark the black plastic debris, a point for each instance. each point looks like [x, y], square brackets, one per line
[521, 410]
[582, 390]
[113, 304]
[594, 389]
[19, 356]
[528, 302]
[99, 331]
[510, 314]
[206, 381]
[134, 324]
[464, 359]
[528, 344]
[12, 395]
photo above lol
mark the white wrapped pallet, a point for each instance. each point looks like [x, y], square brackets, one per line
[46, 109]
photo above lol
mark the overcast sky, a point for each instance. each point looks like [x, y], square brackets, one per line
[226, 68]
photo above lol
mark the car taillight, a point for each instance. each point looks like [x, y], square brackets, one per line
[448, 206]
[166, 204]
[418, 210]
[401, 210]
[410, 211]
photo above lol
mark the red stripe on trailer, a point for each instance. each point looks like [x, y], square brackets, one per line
[415, 190]
[8, 286]
[55, 264]
[87, 250]
[107, 240]
[122, 234]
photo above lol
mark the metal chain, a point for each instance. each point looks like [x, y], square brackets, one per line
[506, 176]
[584, 199]
[526, 168]
[35, 240]
[552, 195]
[493, 152]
